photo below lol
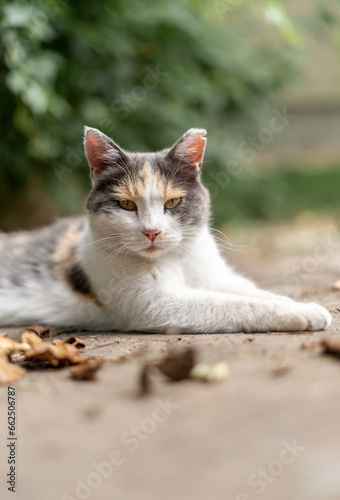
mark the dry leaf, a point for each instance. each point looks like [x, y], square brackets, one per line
[41, 331]
[9, 372]
[65, 354]
[282, 368]
[178, 363]
[331, 346]
[86, 370]
[311, 345]
[38, 350]
[76, 341]
[336, 286]
[32, 339]
[144, 380]
[58, 341]
[57, 354]
[10, 346]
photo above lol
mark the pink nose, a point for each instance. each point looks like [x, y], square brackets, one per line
[151, 233]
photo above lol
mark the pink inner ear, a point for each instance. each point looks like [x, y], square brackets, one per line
[196, 150]
[95, 149]
[191, 147]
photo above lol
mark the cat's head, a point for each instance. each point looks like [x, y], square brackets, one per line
[150, 203]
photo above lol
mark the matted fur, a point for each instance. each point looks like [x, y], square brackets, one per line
[148, 269]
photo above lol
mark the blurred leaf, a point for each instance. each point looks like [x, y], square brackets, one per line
[276, 14]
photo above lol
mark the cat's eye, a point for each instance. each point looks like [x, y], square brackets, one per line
[172, 203]
[127, 205]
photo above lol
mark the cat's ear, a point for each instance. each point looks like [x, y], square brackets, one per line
[101, 152]
[190, 148]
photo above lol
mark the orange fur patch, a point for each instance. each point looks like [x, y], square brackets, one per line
[64, 252]
[133, 190]
[64, 257]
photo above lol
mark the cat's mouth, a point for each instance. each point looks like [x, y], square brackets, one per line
[151, 249]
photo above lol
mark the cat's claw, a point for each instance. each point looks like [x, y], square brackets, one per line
[301, 316]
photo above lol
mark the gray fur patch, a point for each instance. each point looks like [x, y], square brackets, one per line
[27, 256]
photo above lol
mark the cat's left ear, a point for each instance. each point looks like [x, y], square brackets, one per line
[101, 152]
[190, 148]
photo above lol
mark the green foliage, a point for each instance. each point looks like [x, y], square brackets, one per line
[278, 195]
[143, 72]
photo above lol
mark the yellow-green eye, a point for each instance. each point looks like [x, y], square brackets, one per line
[172, 203]
[127, 205]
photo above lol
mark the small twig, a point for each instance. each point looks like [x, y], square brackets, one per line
[98, 346]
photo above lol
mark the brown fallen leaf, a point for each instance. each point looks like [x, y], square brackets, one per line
[9, 372]
[331, 346]
[57, 342]
[249, 339]
[38, 350]
[35, 349]
[336, 286]
[282, 368]
[178, 363]
[311, 345]
[65, 354]
[145, 381]
[10, 346]
[57, 354]
[32, 339]
[41, 331]
[86, 370]
[76, 341]
[304, 332]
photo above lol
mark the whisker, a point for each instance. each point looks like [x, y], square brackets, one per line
[227, 239]
[102, 239]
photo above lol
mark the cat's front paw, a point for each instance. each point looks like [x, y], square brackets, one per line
[301, 316]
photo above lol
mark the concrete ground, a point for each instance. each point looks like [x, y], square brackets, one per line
[270, 431]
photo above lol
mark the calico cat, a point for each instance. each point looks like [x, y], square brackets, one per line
[142, 259]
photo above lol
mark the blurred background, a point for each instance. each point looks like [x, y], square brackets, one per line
[263, 77]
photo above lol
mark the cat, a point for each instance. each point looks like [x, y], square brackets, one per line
[142, 259]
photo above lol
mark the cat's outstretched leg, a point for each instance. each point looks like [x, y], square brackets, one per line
[200, 311]
[207, 270]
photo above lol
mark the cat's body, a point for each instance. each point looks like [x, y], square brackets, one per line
[143, 258]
